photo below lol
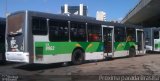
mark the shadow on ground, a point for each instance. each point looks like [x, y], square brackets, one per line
[36, 67]
[9, 63]
[152, 52]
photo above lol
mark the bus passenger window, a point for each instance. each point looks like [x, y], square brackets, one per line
[94, 37]
[39, 26]
[156, 34]
[131, 34]
[58, 30]
[78, 31]
[120, 35]
[94, 32]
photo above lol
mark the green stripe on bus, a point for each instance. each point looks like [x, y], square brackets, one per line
[53, 48]
[121, 46]
[157, 45]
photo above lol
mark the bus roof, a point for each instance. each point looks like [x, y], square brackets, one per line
[77, 18]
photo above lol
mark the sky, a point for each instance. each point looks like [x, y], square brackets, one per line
[115, 9]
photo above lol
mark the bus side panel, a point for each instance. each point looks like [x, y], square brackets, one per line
[53, 52]
[94, 51]
[156, 44]
[121, 48]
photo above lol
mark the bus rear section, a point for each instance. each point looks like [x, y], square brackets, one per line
[15, 35]
[2, 39]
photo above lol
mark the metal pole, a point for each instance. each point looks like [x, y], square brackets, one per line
[69, 28]
[86, 30]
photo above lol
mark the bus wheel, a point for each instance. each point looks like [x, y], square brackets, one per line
[132, 52]
[78, 57]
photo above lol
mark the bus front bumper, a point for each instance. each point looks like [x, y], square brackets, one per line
[17, 57]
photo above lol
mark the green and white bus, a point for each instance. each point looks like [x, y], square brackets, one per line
[152, 39]
[37, 37]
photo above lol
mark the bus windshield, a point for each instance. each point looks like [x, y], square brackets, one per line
[15, 24]
[15, 32]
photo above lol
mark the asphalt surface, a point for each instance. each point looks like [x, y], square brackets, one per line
[140, 65]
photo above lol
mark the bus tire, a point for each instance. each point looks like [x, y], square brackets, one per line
[77, 57]
[132, 52]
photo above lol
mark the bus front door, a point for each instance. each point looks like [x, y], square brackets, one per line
[156, 40]
[107, 37]
[140, 41]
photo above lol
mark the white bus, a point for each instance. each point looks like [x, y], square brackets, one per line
[152, 37]
[37, 37]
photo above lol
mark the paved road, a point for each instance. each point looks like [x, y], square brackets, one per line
[140, 65]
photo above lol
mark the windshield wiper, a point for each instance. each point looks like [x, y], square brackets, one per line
[14, 34]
